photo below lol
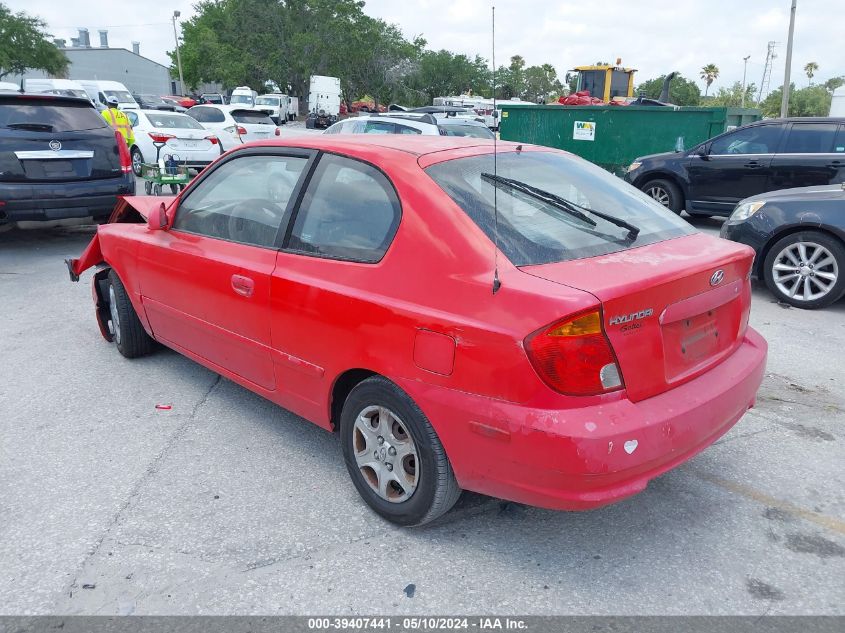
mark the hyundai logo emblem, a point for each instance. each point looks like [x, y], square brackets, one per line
[55, 146]
[717, 277]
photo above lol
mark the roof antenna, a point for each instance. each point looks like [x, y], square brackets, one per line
[496, 283]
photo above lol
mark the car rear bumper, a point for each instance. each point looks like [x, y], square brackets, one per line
[577, 459]
[59, 201]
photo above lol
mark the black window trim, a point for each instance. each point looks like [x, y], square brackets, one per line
[290, 211]
[285, 243]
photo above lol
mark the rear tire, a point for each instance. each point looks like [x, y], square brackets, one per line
[807, 264]
[156, 189]
[174, 189]
[394, 456]
[148, 187]
[137, 161]
[127, 332]
[665, 192]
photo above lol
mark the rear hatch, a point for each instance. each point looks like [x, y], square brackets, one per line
[54, 139]
[183, 133]
[672, 310]
[258, 125]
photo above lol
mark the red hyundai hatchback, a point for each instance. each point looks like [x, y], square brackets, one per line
[357, 282]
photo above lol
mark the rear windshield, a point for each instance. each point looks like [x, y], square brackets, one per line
[240, 99]
[245, 116]
[531, 231]
[52, 116]
[475, 131]
[152, 99]
[213, 99]
[166, 120]
[271, 101]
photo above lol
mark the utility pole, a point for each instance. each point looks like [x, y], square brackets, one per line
[744, 69]
[176, 14]
[784, 102]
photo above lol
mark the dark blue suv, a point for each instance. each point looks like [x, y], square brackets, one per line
[58, 159]
[764, 156]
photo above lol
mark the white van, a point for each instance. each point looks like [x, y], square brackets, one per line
[243, 96]
[8, 86]
[276, 105]
[56, 86]
[99, 91]
[293, 108]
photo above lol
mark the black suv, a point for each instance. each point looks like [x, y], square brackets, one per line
[764, 156]
[59, 159]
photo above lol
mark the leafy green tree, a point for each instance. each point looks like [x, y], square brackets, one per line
[732, 97]
[810, 69]
[834, 82]
[709, 74]
[442, 73]
[541, 84]
[809, 101]
[682, 91]
[24, 44]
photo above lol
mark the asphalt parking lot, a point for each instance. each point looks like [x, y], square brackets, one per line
[225, 504]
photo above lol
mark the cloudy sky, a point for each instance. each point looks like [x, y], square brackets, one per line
[654, 36]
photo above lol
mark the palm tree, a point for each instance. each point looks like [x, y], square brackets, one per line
[709, 73]
[810, 68]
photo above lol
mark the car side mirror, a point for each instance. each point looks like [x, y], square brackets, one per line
[157, 220]
[702, 152]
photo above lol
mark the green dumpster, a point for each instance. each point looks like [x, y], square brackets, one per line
[613, 136]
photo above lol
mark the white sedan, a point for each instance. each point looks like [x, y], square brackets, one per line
[178, 135]
[234, 124]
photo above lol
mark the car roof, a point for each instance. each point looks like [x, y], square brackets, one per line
[434, 148]
[803, 119]
[45, 96]
[454, 120]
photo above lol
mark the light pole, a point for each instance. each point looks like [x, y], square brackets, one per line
[784, 102]
[176, 14]
[744, 69]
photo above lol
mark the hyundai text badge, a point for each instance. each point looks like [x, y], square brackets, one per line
[717, 277]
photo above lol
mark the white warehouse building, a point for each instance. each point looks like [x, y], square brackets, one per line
[139, 74]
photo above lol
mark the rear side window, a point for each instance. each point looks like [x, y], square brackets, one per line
[474, 131]
[49, 116]
[207, 115]
[839, 141]
[404, 129]
[760, 139]
[350, 211]
[257, 118]
[379, 127]
[810, 138]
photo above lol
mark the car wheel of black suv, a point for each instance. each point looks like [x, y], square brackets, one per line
[393, 455]
[806, 269]
[127, 332]
[666, 193]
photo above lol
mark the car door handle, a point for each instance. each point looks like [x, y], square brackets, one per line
[752, 164]
[243, 286]
[835, 164]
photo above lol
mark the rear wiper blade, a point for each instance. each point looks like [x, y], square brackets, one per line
[41, 127]
[633, 230]
[539, 194]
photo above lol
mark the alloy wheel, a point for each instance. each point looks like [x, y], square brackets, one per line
[805, 271]
[137, 161]
[386, 454]
[659, 194]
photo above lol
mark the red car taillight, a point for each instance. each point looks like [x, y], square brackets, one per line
[574, 356]
[160, 138]
[241, 131]
[123, 153]
[214, 140]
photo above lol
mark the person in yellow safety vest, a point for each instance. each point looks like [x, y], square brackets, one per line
[119, 121]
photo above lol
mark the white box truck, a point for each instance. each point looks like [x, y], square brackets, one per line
[837, 103]
[323, 101]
